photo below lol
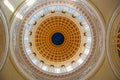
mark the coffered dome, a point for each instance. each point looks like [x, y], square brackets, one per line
[52, 39]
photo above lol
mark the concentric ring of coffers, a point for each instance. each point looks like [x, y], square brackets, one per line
[43, 38]
[30, 60]
[71, 46]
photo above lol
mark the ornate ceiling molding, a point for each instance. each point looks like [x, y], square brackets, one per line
[113, 42]
[26, 22]
[4, 39]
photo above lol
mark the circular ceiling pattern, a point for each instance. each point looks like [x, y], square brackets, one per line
[56, 40]
[57, 23]
[4, 38]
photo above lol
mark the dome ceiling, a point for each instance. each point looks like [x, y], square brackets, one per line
[113, 42]
[57, 40]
